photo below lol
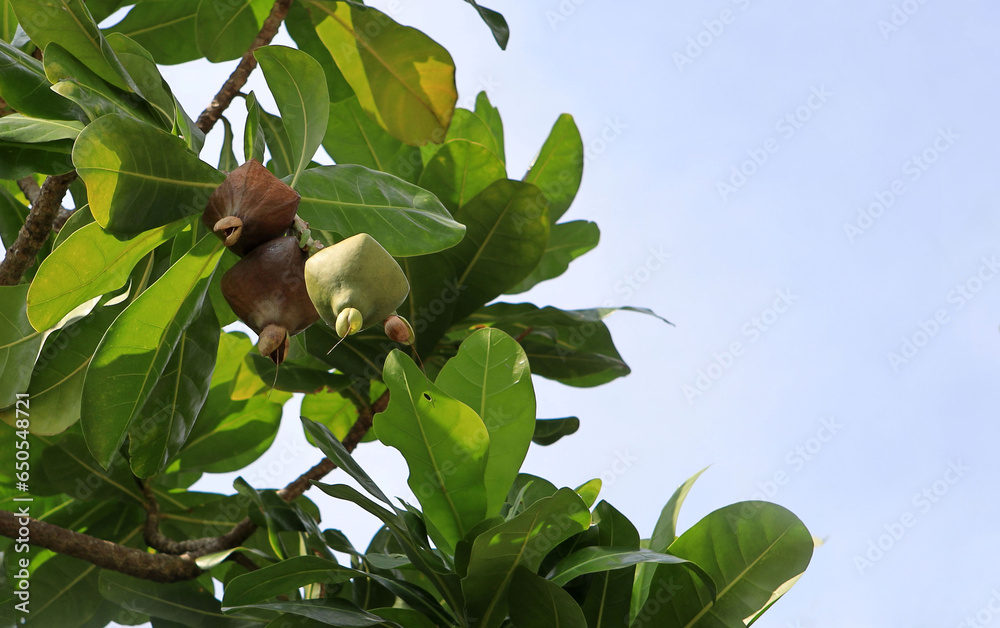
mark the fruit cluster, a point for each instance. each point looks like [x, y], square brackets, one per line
[277, 289]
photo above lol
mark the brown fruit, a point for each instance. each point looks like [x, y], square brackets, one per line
[251, 207]
[267, 290]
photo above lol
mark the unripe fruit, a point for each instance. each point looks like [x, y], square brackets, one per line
[355, 284]
[266, 289]
[251, 207]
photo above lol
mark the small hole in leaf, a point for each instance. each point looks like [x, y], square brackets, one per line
[427, 397]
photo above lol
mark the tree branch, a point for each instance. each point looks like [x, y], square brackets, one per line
[238, 78]
[36, 228]
[127, 560]
[30, 189]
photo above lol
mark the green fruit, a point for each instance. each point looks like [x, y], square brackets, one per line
[355, 284]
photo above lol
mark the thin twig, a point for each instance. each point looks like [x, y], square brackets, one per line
[36, 229]
[238, 78]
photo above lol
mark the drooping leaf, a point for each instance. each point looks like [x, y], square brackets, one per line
[352, 137]
[298, 85]
[523, 540]
[549, 431]
[283, 577]
[567, 241]
[749, 549]
[558, 168]
[224, 30]
[137, 346]
[159, 431]
[540, 603]
[70, 23]
[570, 346]
[89, 263]
[496, 22]
[182, 602]
[330, 611]
[139, 177]
[404, 218]
[166, 28]
[459, 171]
[598, 559]
[335, 451]
[26, 89]
[445, 445]
[403, 79]
[506, 232]
[490, 374]
[19, 128]
[19, 344]
[253, 135]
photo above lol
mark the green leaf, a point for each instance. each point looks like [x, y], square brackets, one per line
[336, 452]
[352, 137]
[141, 67]
[433, 293]
[284, 577]
[12, 216]
[26, 89]
[298, 85]
[405, 617]
[80, 218]
[549, 431]
[597, 559]
[570, 346]
[333, 611]
[567, 241]
[749, 549]
[590, 491]
[8, 21]
[253, 135]
[166, 28]
[467, 125]
[539, 603]
[19, 344]
[138, 345]
[70, 23]
[23, 160]
[490, 374]
[227, 158]
[459, 171]
[606, 604]
[56, 387]
[157, 435]
[496, 22]
[491, 116]
[558, 168]
[445, 445]
[18, 128]
[228, 434]
[139, 177]
[331, 409]
[403, 79]
[282, 161]
[506, 231]
[182, 602]
[404, 218]
[299, 23]
[224, 30]
[91, 262]
[523, 540]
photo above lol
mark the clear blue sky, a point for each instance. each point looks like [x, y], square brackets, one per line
[828, 109]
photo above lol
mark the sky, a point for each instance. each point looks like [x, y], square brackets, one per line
[808, 192]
